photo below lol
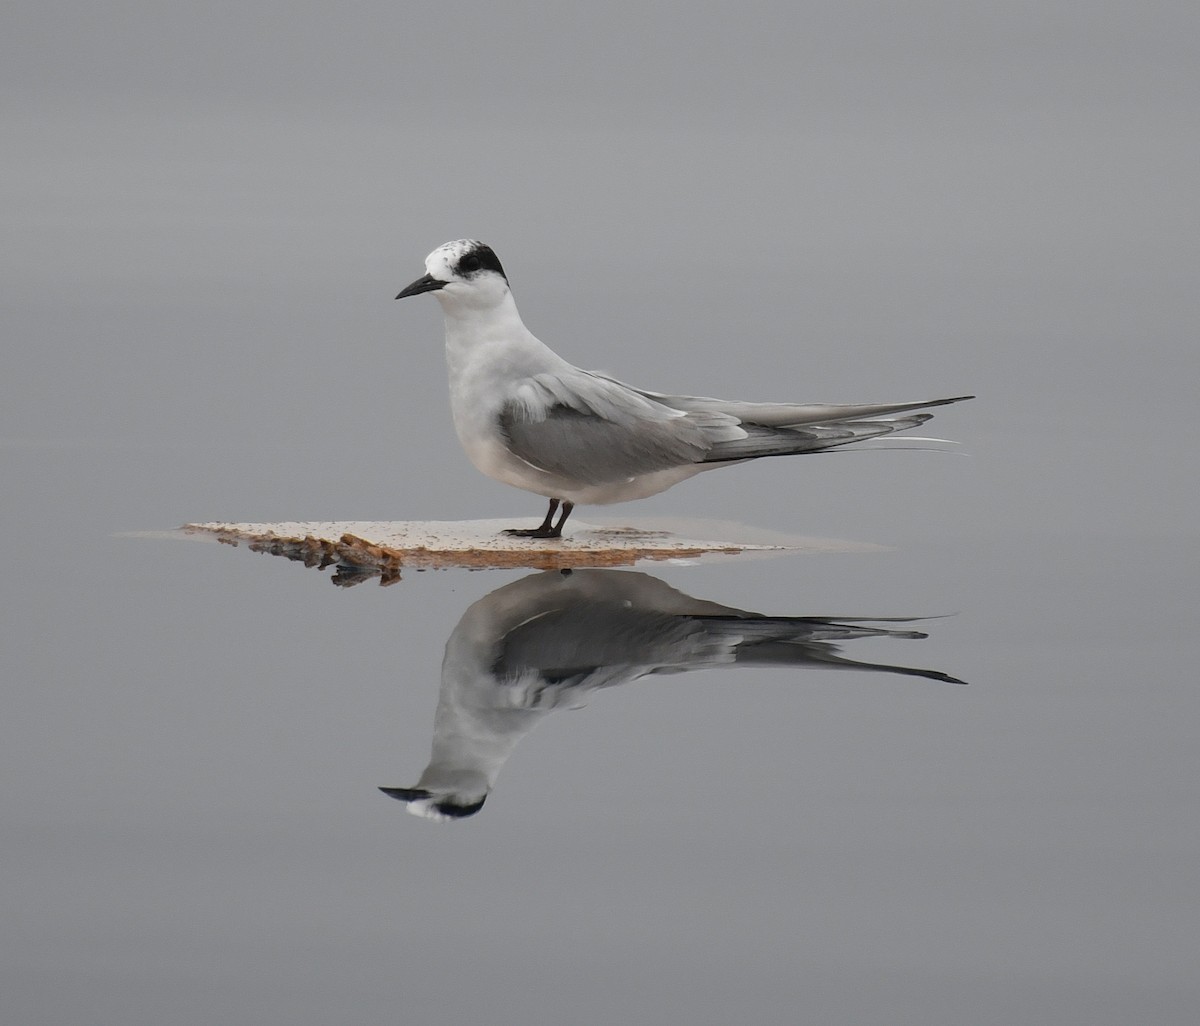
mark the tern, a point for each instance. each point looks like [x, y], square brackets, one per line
[527, 417]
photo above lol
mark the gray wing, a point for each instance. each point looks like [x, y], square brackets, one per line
[594, 430]
[789, 415]
[768, 441]
[780, 429]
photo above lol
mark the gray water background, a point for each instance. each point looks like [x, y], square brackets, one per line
[207, 213]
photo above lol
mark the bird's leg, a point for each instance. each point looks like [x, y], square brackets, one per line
[566, 512]
[544, 529]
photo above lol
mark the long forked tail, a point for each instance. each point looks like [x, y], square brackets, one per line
[774, 429]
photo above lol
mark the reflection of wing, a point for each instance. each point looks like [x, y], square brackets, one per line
[596, 644]
[598, 640]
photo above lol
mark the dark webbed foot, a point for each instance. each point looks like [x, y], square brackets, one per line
[533, 532]
[547, 528]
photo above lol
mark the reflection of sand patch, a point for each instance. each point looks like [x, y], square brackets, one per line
[387, 547]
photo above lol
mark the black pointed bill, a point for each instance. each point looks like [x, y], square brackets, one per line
[426, 284]
[407, 794]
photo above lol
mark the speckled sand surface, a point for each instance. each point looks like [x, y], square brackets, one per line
[389, 546]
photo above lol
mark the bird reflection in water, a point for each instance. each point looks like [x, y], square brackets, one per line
[547, 641]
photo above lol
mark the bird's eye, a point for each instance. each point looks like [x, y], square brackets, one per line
[470, 263]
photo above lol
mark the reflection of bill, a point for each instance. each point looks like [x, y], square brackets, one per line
[547, 641]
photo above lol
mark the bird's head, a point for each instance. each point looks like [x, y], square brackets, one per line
[464, 273]
[437, 805]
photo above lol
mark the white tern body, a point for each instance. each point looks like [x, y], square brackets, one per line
[527, 417]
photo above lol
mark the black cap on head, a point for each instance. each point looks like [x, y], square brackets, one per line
[479, 257]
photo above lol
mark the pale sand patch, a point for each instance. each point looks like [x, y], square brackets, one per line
[387, 547]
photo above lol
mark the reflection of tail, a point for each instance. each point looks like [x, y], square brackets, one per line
[783, 654]
[808, 641]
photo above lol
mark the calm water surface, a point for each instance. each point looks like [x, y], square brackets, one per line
[205, 224]
[195, 736]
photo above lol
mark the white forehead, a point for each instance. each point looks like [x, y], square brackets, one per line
[425, 808]
[441, 262]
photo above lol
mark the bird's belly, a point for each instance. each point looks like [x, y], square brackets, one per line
[478, 428]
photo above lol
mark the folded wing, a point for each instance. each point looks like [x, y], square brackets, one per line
[594, 429]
